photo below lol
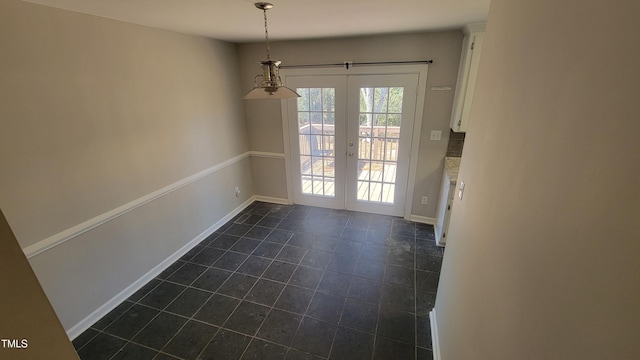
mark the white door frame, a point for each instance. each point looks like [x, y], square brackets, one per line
[419, 69]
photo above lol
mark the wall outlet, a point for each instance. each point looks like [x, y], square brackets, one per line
[237, 189]
[425, 199]
[436, 135]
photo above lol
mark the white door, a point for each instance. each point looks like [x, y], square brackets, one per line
[350, 139]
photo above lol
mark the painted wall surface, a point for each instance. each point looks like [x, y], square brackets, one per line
[264, 121]
[27, 315]
[542, 254]
[97, 113]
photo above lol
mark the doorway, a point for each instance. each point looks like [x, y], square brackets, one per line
[352, 135]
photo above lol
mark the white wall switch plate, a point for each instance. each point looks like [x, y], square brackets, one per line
[436, 135]
[461, 190]
[425, 199]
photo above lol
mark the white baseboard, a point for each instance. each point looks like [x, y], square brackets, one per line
[423, 219]
[103, 310]
[273, 200]
[435, 343]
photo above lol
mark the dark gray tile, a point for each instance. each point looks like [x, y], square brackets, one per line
[207, 256]
[359, 315]
[251, 219]
[262, 350]
[217, 309]
[294, 354]
[294, 299]
[288, 224]
[342, 264]
[162, 356]
[403, 228]
[188, 302]
[238, 229]
[400, 243]
[230, 261]
[369, 269]
[258, 232]
[306, 277]
[211, 279]
[326, 307]
[160, 330]
[334, 283]
[425, 354]
[132, 321]
[84, 338]
[399, 275]
[226, 345]
[224, 241]
[352, 344]
[386, 349]
[132, 351]
[353, 235]
[398, 297]
[238, 285]
[187, 273]
[428, 262]
[269, 222]
[280, 327]
[191, 339]
[279, 271]
[368, 291]
[291, 254]
[423, 327]
[268, 250]
[113, 315]
[428, 247]
[396, 325]
[316, 259]
[162, 295]
[254, 266]
[314, 336]
[376, 237]
[425, 301]
[145, 290]
[400, 257]
[301, 240]
[374, 252]
[427, 281]
[326, 242]
[101, 347]
[245, 246]
[191, 253]
[247, 318]
[348, 248]
[279, 236]
[170, 270]
[265, 292]
[424, 231]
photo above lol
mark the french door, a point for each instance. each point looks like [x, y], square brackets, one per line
[350, 139]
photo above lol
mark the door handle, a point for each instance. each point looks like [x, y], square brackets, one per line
[350, 153]
[350, 143]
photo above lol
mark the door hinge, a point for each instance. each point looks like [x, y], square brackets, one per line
[473, 45]
[459, 122]
[444, 234]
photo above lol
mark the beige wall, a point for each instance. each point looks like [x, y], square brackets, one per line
[542, 256]
[26, 313]
[97, 113]
[264, 122]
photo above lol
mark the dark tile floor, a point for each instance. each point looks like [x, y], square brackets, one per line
[284, 282]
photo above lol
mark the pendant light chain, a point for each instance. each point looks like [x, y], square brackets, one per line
[266, 34]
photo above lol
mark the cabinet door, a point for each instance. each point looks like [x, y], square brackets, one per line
[469, 62]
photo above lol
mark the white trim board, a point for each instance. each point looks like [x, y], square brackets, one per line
[103, 310]
[435, 342]
[423, 219]
[70, 233]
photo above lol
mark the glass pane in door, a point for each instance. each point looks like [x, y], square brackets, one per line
[380, 118]
[316, 134]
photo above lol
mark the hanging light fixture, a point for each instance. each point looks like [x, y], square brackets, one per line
[270, 86]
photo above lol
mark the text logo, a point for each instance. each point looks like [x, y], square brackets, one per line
[14, 343]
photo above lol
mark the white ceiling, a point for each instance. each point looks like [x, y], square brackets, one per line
[240, 21]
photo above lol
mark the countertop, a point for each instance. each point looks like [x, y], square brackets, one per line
[451, 166]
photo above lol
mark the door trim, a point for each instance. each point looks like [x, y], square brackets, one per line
[420, 69]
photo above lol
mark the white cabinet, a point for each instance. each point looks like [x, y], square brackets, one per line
[469, 61]
[447, 193]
